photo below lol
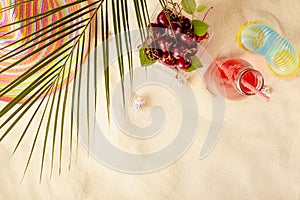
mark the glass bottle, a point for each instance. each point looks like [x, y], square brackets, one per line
[234, 79]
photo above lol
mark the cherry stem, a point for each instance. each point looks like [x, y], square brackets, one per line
[207, 13]
[174, 5]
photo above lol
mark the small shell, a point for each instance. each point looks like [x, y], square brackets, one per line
[138, 103]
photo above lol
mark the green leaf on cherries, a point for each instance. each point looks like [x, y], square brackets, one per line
[201, 8]
[143, 58]
[200, 27]
[189, 6]
[196, 64]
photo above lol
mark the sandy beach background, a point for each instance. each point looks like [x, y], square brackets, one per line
[257, 156]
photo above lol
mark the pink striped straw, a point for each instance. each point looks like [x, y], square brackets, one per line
[256, 91]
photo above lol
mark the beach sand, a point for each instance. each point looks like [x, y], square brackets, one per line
[257, 156]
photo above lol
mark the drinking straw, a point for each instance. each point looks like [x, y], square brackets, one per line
[255, 91]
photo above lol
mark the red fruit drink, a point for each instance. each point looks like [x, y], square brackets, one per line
[234, 79]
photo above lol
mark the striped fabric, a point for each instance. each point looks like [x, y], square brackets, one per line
[6, 38]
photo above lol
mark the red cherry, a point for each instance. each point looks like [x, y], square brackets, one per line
[162, 18]
[153, 54]
[155, 31]
[191, 34]
[175, 26]
[174, 29]
[168, 59]
[181, 63]
[192, 49]
[203, 37]
[179, 51]
[188, 37]
[186, 23]
[165, 43]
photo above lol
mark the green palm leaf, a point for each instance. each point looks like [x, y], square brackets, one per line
[61, 66]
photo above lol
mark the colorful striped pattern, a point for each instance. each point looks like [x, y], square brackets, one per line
[21, 12]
